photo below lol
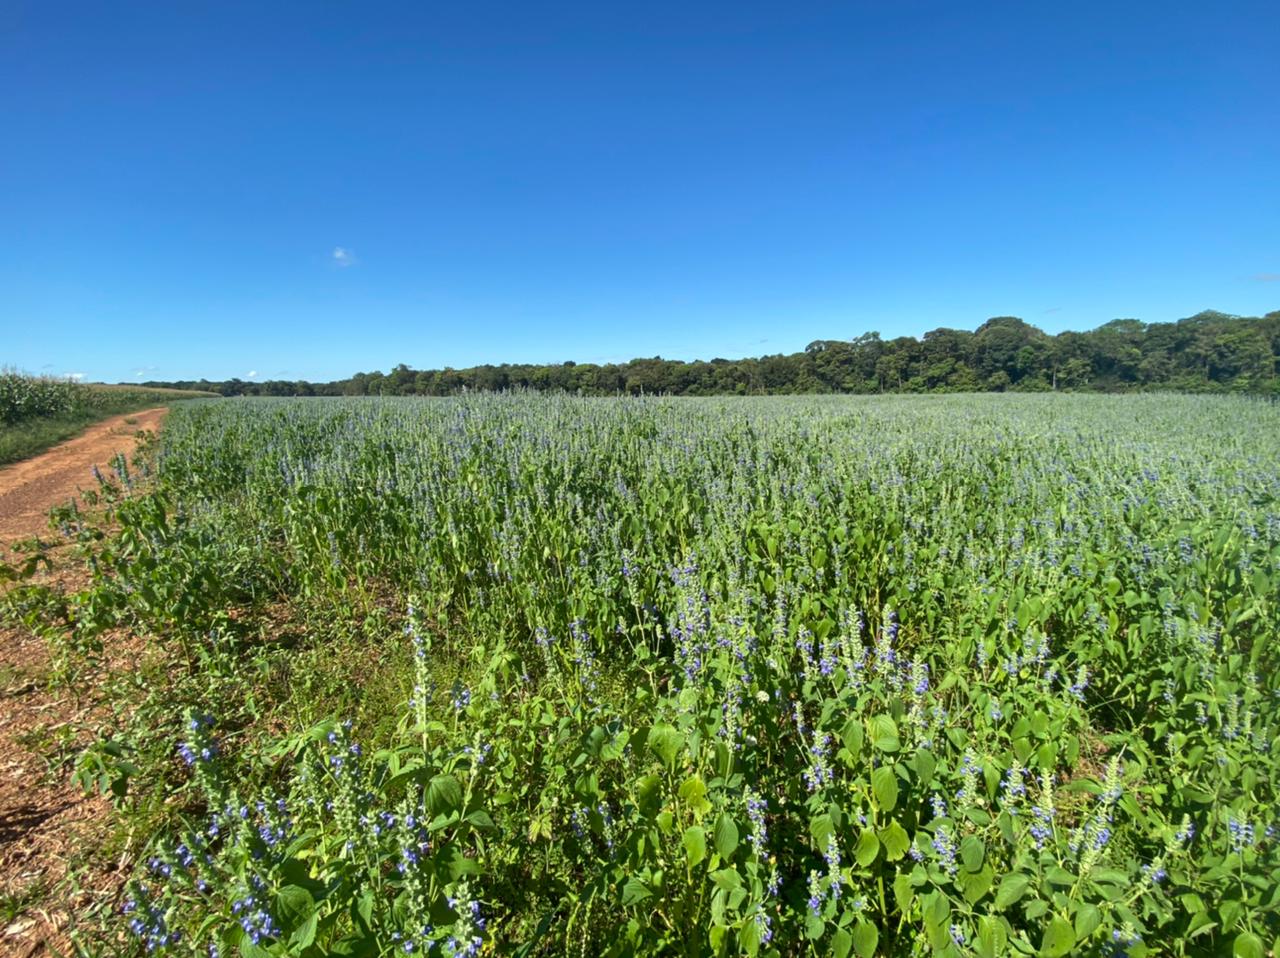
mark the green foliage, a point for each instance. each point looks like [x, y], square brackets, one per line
[39, 412]
[28, 397]
[1208, 352]
[976, 676]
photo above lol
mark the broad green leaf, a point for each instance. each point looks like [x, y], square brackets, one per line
[841, 943]
[884, 733]
[649, 795]
[1247, 945]
[294, 905]
[821, 829]
[1059, 938]
[972, 852]
[725, 836]
[867, 849]
[924, 765]
[884, 785]
[444, 795]
[665, 742]
[1088, 918]
[895, 840]
[851, 735]
[977, 884]
[727, 878]
[865, 939]
[1012, 887]
[695, 845]
[634, 892]
[903, 893]
[693, 793]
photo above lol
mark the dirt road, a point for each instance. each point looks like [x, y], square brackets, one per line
[29, 489]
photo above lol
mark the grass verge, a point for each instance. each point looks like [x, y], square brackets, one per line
[31, 437]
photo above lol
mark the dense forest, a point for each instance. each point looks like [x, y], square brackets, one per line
[1208, 352]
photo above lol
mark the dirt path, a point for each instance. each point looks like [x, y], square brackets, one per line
[29, 489]
[47, 826]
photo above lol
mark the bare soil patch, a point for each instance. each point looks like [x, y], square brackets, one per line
[29, 489]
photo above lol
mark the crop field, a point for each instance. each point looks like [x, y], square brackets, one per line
[520, 675]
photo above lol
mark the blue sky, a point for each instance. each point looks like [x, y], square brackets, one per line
[303, 190]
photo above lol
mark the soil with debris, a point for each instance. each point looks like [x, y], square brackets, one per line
[29, 489]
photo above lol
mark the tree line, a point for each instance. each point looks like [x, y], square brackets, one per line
[1208, 352]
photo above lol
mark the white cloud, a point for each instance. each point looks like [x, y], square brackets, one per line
[75, 377]
[343, 257]
[253, 373]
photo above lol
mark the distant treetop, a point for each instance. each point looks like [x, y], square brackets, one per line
[1207, 352]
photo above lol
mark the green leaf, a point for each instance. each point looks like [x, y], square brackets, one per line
[363, 908]
[456, 863]
[725, 836]
[841, 943]
[693, 792]
[884, 733]
[903, 893]
[444, 795]
[895, 840]
[851, 735]
[884, 785]
[924, 764]
[865, 939]
[867, 849]
[992, 937]
[1059, 938]
[976, 884]
[821, 829]
[727, 879]
[305, 933]
[1247, 945]
[1088, 918]
[695, 845]
[634, 892]
[294, 905]
[665, 742]
[649, 795]
[249, 950]
[748, 938]
[972, 851]
[1012, 887]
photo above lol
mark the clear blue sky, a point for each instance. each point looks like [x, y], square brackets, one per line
[309, 189]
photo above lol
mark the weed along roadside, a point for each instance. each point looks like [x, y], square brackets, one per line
[515, 674]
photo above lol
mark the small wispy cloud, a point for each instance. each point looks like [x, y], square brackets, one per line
[343, 257]
[253, 374]
[1267, 277]
[74, 377]
[143, 370]
[1051, 310]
